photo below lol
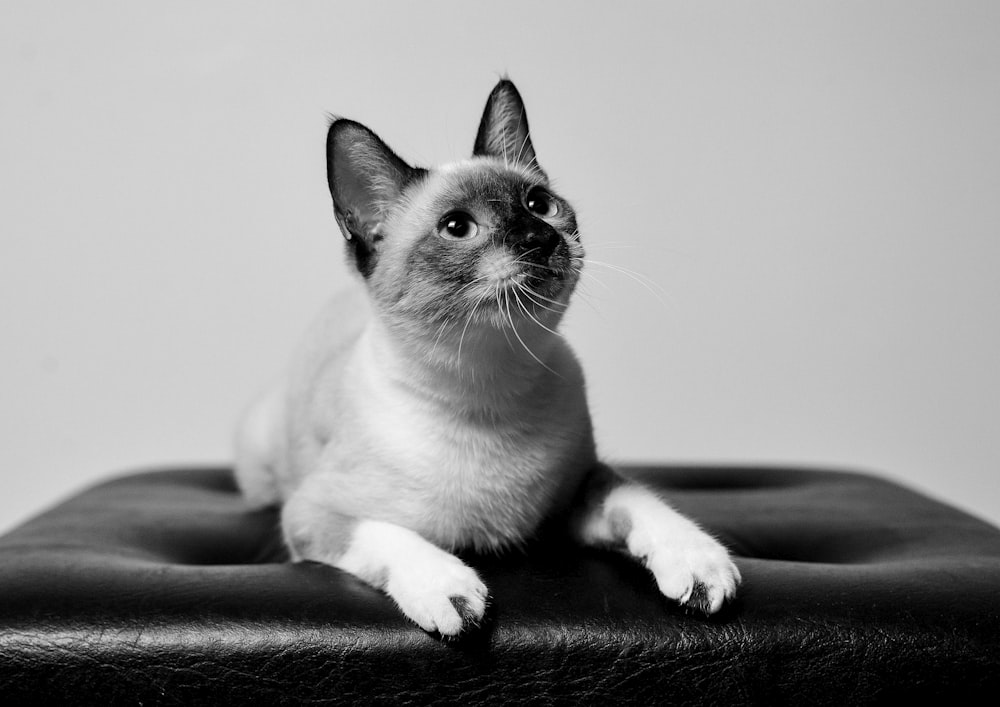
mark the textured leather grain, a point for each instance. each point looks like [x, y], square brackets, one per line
[160, 588]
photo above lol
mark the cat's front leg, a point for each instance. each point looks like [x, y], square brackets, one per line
[433, 588]
[689, 565]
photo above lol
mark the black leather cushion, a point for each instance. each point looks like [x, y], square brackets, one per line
[161, 588]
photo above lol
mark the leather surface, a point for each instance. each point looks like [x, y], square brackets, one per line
[160, 588]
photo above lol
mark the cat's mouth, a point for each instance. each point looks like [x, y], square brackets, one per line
[525, 287]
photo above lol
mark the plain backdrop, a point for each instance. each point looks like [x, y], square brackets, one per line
[806, 197]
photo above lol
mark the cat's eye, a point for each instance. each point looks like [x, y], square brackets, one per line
[458, 226]
[541, 203]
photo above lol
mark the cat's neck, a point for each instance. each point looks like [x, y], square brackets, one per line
[476, 366]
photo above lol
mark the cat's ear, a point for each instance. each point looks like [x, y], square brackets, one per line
[503, 131]
[366, 178]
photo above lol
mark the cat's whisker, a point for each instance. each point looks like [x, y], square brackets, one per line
[610, 244]
[475, 281]
[541, 305]
[587, 298]
[651, 286]
[504, 316]
[584, 292]
[468, 320]
[588, 275]
[437, 339]
[528, 313]
[624, 271]
[513, 326]
[521, 258]
[536, 296]
[472, 311]
[539, 265]
[558, 271]
[594, 278]
[501, 314]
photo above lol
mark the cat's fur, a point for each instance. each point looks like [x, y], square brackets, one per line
[440, 410]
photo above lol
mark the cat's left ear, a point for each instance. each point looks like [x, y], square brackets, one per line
[503, 131]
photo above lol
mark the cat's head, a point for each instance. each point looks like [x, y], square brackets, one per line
[481, 241]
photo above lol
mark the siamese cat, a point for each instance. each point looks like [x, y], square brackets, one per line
[440, 409]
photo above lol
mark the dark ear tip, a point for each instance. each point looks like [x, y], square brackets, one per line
[505, 85]
[339, 125]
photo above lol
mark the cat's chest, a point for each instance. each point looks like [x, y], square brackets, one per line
[463, 455]
[422, 426]
[485, 488]
[479, 469]
[474, 481]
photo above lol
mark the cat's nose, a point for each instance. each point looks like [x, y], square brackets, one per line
[538, 242]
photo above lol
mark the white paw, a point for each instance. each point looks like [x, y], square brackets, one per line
[694, 569]
[438, 592]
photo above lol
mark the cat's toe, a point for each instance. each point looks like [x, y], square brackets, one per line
[699, 575]
[701, 599]
[465, 611]
[707, 598]
[446, 599]
[470, 612]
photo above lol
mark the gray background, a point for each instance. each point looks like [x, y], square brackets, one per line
[814, 189]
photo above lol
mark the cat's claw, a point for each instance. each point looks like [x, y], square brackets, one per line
[694, 570]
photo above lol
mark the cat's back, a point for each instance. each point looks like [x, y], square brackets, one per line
[314, 383]
[276, 438]
[329, 339]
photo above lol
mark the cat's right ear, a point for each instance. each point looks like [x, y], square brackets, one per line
[366, 178]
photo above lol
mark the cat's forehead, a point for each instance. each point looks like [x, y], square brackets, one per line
[478, 180]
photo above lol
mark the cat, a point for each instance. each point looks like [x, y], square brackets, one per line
[440, 409]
